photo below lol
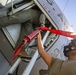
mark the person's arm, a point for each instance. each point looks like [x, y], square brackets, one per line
[46, 57]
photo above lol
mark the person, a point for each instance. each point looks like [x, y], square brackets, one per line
[57, 66]
[27, 18]
[31, 15]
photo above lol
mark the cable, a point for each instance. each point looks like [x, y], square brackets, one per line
[65, 5]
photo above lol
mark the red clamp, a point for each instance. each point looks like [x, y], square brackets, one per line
[28, 38]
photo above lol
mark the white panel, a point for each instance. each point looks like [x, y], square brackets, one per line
[14, 31]
[4, 2]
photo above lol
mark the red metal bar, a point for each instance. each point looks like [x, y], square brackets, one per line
[28, 38]
[61, 32]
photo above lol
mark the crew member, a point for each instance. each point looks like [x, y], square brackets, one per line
[28, 18]
[56, 65]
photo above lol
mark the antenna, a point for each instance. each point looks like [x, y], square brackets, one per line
[66, 5]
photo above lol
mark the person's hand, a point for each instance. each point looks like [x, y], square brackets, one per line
[39, 36]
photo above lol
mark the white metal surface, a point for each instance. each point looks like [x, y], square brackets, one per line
[13, 68]
[12, 32]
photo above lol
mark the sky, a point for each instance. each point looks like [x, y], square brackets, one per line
[68, 7]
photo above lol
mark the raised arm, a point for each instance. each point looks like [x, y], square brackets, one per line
[46, 57]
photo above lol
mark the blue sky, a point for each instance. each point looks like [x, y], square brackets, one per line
[69, 9]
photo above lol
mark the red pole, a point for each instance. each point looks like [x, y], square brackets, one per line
[28, 38]
[61, 32]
